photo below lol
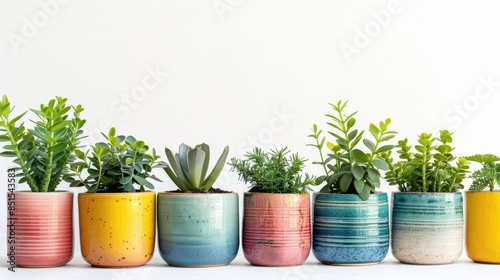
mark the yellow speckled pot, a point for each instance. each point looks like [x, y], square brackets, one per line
[117, 229]
[482, 226]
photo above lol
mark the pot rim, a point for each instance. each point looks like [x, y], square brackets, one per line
[149, 192]
[36, 193]
[377, 193]
[414, 193]
[194, 194]
[483, 191]
[272, 194]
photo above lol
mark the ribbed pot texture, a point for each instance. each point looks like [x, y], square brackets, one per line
[427, 228]
[276, 229]
[350, 231]
[42, 228]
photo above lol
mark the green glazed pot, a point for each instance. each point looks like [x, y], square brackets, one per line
[198, 230]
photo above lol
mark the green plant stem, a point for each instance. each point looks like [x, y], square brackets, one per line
[323, 163]
[31, 182]
[424, 170]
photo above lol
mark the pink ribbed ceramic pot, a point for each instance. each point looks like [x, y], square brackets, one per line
[41, 226]
[276, 228]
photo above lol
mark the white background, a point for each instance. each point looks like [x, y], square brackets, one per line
[256, 73]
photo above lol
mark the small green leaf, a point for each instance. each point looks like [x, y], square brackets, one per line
[359, 185]
[369, 144]
[125, 180]
[365, 194]
[141, 181]
[345, 182]
[350, 123]
[358, 172]
[374, 130]
[359, 156]
[381, 164]
[385, 148]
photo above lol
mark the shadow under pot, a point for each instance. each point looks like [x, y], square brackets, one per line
[427, 228]
[117, 229]
[198, 229]
[276, 228]
[482, 226]
[39, 228]
[350, 231]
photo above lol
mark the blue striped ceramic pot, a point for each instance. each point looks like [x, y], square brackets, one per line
[427, 228]
[350, 231]
[198, 230]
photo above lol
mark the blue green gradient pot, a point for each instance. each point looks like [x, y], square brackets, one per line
[198, 230]
[427, 228]
[350, 231]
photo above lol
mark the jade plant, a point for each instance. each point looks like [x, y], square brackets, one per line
[120, 164]
[488, 176]
[44, 151]
[188, 168]
[348, 166]
[277, 171]
[429, 168]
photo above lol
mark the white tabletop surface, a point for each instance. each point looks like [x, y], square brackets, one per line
[389, 268]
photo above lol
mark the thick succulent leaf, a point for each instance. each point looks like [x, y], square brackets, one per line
[125, 180]
[60, 125]
[374, 175]
[385, 148]
[175, 179]
[369, 144]
[365, 194]
[205, 149]
[176, 173]
[181, 158]
[141, 181]
[359, 185]
[359, 156]
[381, 164]
[210, 180]
[358, 172]
[195, 159]
[345, 182]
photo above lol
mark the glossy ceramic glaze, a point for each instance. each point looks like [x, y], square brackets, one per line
[276, 229]
[427, 228]
[350, 231]
[482, 226]
[42, 227]
[117, 229]
[198, 230]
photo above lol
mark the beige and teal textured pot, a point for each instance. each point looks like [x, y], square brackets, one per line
[427, 228]
[198, 229]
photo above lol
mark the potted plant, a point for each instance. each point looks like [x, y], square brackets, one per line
[276, 217]
[42, 235]
[427, 212]
[116, 214]
[351, 221]
[198, 225]
[482, 205]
